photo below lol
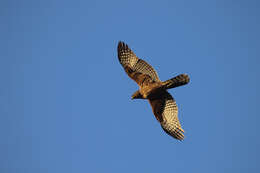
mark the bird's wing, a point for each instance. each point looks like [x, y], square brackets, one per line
[166, 112]
[134, 66]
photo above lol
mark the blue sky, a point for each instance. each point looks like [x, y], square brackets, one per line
[65, 100]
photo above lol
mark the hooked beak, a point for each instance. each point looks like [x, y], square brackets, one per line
[136, 95]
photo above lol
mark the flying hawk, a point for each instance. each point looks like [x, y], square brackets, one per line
[152, 88]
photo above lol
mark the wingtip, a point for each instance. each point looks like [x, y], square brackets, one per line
[122, 46]
[177, 133]
[121, 43]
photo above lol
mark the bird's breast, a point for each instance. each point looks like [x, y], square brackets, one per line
[150, 90]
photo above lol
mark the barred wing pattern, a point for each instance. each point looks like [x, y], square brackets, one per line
[166, 112]
[128, 59]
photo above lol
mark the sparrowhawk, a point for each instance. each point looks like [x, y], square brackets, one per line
[154, 90]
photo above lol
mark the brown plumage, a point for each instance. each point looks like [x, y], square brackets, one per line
[152, 88]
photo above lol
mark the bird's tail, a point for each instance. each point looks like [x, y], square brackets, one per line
[179, 80]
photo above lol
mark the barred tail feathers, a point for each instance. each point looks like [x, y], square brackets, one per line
[179, 80]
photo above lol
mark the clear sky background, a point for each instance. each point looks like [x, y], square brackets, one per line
[65, 100]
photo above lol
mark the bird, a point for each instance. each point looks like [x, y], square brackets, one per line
[154, 90]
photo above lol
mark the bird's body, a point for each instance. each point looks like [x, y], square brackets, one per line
[152, 88]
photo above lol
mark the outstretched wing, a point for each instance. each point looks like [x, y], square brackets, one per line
[134, 66]
[166, 112]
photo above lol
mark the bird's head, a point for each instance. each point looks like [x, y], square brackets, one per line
[137, 95]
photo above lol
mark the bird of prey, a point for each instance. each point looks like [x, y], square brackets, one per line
[154, 90]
